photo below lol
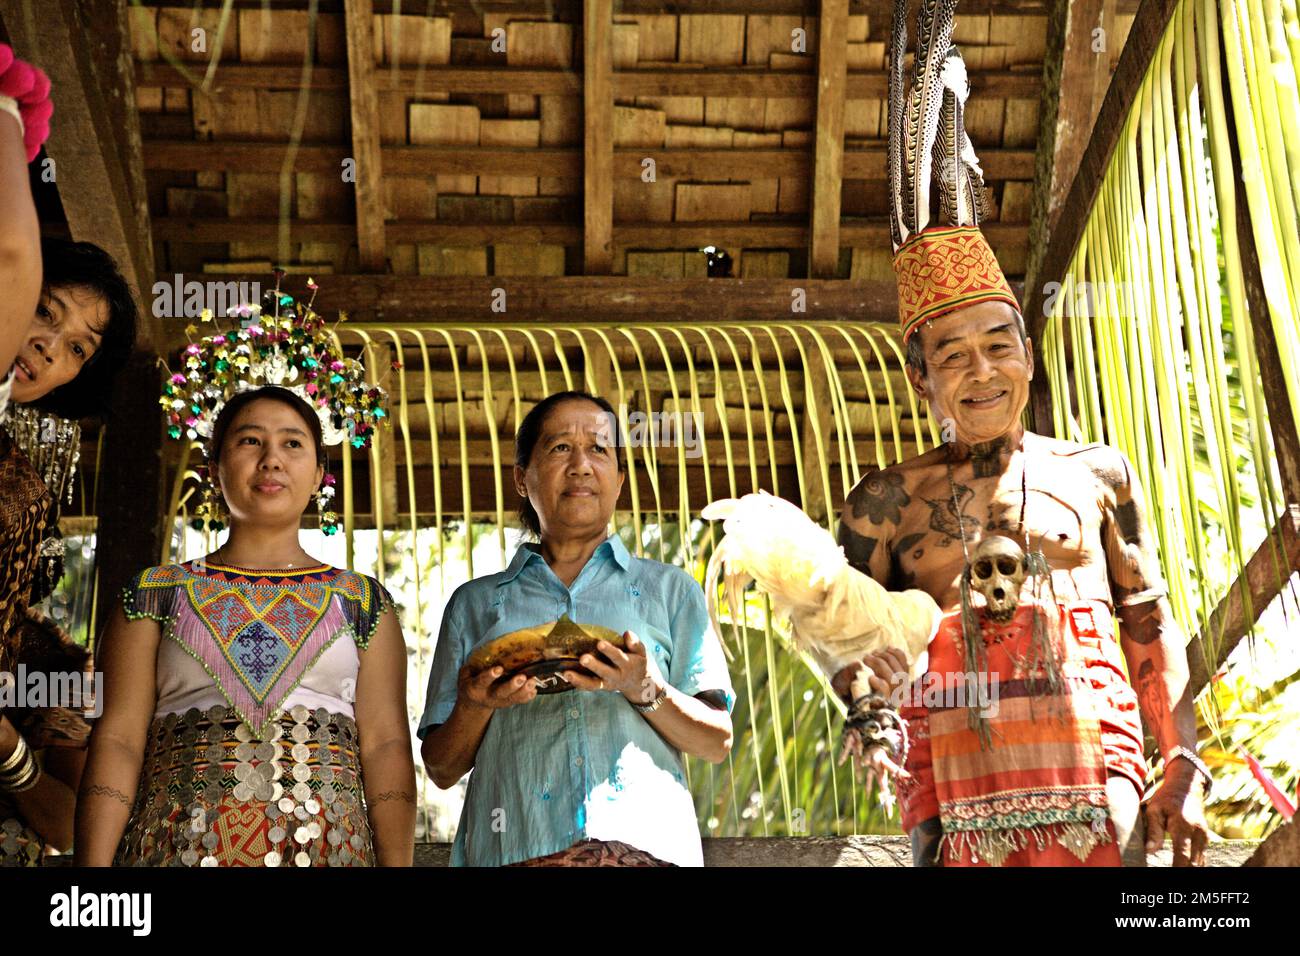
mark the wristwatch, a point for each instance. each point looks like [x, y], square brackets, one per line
[655, 704]
[1190, 755]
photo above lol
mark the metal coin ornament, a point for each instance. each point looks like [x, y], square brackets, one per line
[543, 651]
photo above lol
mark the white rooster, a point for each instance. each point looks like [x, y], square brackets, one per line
[836, 613]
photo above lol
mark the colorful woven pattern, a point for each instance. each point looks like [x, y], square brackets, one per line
[945, 268]
[1038, 795]
[256, 633]
[596, 853]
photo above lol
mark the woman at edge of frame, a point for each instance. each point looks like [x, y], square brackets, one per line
[593, 778]
[64, 371]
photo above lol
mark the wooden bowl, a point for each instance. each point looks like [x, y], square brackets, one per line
[542, 651]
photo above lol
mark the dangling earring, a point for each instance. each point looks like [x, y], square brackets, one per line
[209, 515]
[329, 521]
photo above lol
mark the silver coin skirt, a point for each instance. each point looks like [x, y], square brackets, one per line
[213, 794]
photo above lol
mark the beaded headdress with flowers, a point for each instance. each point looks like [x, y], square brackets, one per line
[283, 343]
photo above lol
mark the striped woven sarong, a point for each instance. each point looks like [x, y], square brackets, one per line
[1036, 794]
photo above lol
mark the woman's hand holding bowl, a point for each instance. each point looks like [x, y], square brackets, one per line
[489, 690]
[629, 670]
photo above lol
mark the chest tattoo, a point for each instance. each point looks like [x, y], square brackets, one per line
[950, 519]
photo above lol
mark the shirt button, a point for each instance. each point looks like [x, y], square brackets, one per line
[574, 713]
[577, 761]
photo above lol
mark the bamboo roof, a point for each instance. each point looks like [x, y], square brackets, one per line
[426, 160]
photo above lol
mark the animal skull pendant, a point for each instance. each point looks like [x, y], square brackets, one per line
[997, 569]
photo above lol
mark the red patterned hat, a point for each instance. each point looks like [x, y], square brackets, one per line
[942, 261]
[945, 268]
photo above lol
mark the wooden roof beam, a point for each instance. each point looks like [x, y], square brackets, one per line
[866, 233]
[674, 81]
[598, 137]
[828, 144]
[1265, 576]
[570, 9]
[366, 155]
[222, 155]
[419, 298]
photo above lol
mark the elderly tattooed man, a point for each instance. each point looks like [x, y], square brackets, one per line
[1031, 546]
[912, 526]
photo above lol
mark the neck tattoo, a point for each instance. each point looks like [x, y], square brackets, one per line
[1024, 499]
[986, 457]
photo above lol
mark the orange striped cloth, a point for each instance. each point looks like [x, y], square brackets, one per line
[1037, 794]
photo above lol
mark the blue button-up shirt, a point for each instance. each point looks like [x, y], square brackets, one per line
[578, 765]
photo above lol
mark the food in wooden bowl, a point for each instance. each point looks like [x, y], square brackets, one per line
[542, 651]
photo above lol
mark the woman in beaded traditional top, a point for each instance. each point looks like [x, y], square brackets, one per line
[254, 701]
[82, 333]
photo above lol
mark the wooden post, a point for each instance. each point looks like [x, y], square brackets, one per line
[129, 531]
[598, 137]
[368, 170]
[1263, 578]
[1075, 76]
[1072, 216]
[1281, 422]
[828, 146]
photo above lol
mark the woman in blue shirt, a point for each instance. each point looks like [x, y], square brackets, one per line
[594, 777]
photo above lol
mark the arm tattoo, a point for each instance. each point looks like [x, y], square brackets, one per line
[401, 795]
[1143, 623]
[858, 548]
[880, 496]
[1150, 694]
[1110, 477]
[900, 580]
[1126, 519]
[99, 790]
